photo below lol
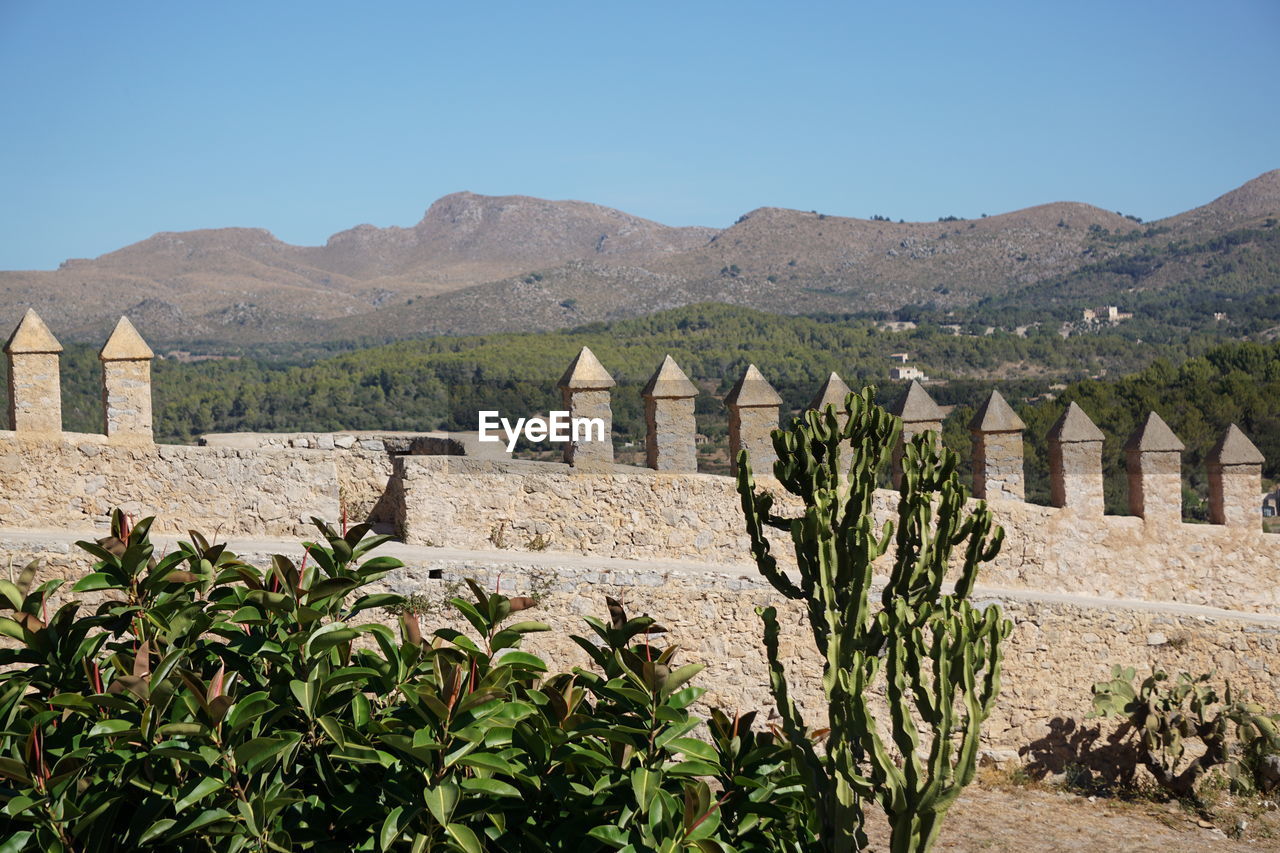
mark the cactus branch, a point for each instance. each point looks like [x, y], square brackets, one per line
[936, 655]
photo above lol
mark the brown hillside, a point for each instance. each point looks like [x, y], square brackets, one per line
[469, 238]
[883, 265]
[784, 261]
[243, 284]
[1257, 199]
[486, 263]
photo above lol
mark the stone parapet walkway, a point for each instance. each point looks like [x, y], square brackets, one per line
[611, 571]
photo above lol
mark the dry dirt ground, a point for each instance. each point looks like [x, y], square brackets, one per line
[995, 815]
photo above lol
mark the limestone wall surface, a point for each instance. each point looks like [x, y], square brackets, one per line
[998, 456]
[615, 512]
[35, 404]
[363, 479]
[631, 512]
[1059, 550]
[380, 441]
[363, 459]
[74, 481]
[1060, 645]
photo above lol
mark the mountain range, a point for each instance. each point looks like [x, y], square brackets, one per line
[479, 264]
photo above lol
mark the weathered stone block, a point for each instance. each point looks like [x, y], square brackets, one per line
[1235, 481]
[997, 451]
[35, 398]
[753, 416]
[671, 429]
[126, 385]
[584, 388]
[1075, 463]
[1154, 459]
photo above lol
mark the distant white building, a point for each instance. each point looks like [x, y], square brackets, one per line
[900, 357]
[907, 373]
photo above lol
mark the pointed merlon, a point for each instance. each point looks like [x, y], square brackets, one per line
[996, 415]
[917, 406]
[32, 336]
[125, 344]
[669, 382]
[586, 373]
[1074, 426]
[1235, 448]
[1154, 436]
[752, 391]
[832, 393]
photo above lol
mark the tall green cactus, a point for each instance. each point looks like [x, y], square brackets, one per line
[935, 655]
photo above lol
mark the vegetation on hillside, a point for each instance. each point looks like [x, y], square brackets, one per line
[440, 383]
[1173, 287]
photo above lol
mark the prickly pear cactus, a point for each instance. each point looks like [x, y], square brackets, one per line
[935, 654]
[1164, 716]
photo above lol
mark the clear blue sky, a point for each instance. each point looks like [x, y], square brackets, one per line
[123, 119]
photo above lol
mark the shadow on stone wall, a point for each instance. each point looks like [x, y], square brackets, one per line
[1083, 754]
[383, 512]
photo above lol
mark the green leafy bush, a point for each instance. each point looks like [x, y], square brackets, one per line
[208, 705]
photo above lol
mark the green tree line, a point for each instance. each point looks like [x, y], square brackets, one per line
[439, 383]
[1236, 383]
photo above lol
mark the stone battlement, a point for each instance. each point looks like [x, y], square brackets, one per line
[450, 490]
[1085, 589]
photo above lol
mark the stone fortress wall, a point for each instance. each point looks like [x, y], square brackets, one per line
[1086, 590]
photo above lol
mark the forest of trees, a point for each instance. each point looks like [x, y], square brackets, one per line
[440, 383]
[1236, 383]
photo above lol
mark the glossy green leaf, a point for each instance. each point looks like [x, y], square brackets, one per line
[611, 835]
[679, 676]
[331, 635]
[694, 748]
[645, 784]
[464, 838]
[198, 791]
[391, 831]
[441, 800]
[12, 629]
[111, 727]
[492, 787]
[95, 581]
[306, 692]
[157, 831]
[252, 754]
